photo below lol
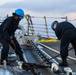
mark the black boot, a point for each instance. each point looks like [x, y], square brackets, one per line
[64, 62]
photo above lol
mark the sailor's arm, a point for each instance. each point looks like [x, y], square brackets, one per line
[22, 28]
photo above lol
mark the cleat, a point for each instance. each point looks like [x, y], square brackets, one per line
[54, 68]
[68, 70]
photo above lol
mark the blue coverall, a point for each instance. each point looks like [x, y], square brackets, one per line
[66, 32]
[7, 29]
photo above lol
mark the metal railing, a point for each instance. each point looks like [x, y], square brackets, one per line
[40, 25]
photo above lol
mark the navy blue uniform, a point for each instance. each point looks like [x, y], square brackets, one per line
[66, 32]
[7, 29]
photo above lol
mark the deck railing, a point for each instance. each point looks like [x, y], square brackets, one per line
[41, 26]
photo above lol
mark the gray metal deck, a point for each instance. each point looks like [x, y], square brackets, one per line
[56, 46]
[33, 57]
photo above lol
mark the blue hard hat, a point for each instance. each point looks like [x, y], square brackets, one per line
[52, 24]
[20, 13]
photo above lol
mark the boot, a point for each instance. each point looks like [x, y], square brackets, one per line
[64, 62]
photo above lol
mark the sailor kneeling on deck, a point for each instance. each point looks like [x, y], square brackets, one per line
[7, 31]
[66, 33]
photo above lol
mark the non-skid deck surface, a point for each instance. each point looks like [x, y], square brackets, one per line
[56, 46]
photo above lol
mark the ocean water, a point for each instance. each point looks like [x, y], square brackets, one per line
[40, 25]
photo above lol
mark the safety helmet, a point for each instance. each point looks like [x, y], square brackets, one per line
[20, 13]
[52, 25]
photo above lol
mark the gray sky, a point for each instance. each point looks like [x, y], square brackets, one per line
[41, 7]
[63, 6]
[50, 8]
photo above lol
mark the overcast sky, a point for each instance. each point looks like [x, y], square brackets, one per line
[50, 8]
[41, 7]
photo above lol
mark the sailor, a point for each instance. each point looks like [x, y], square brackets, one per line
[7, 32]
[66, 33]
